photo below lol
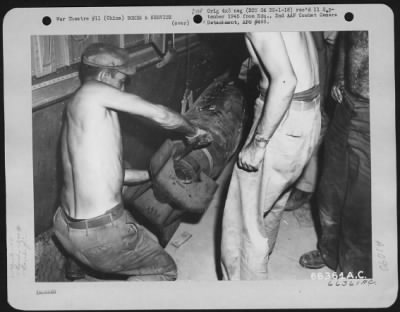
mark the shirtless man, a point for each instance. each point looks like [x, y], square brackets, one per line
[344, 193]
[284, 132]
[306, 184]
[91, 222]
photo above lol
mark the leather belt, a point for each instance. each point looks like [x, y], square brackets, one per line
[108, 217]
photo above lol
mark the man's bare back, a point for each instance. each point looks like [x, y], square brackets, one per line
[304, 58]
[91, 150]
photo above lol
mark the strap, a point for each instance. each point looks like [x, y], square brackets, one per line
[307, 95]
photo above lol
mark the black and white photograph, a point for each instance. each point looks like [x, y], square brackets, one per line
[123, 161]
[210, 156]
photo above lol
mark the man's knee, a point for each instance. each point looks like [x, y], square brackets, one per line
[165, 270]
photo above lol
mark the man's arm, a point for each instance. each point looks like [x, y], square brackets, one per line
[338, 81]
[274, 60]
[271, 50]
[135, 105]
[133, 176]
[319, 40]
[115, 99]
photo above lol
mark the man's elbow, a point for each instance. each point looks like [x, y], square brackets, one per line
[288, 82]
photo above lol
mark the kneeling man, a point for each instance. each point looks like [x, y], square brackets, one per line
[91, 222]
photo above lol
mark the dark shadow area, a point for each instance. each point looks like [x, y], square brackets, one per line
[218, 226]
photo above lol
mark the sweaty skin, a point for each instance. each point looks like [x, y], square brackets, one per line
[352, 70]
[288, 63]
[91, 144]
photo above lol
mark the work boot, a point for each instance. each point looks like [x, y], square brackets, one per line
[297, 199]
[312, 260]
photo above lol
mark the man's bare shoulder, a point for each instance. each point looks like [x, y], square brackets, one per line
[94, 86]
[91, 94]
[98, 91]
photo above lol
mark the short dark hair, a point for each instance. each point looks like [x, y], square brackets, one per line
[88, 72]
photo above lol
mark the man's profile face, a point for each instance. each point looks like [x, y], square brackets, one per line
[117, 80]
[121, 78]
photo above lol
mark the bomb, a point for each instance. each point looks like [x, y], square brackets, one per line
[183, 179]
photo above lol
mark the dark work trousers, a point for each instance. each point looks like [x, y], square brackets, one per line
[119, 246]
[344, 192]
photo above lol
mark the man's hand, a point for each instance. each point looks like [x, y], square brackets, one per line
[336, 91]
[201, 139]
[251, 156]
